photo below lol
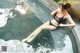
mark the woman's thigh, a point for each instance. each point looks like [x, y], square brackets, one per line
[47, 26]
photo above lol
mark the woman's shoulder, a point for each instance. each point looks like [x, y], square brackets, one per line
[58, 9]
[66, 14]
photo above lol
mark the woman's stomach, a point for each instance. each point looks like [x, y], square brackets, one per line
[54, 22]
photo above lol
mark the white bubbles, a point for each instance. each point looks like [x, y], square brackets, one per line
[11, 46]
[4, 16]
[42, 49]
[22, 7]
[2, 42]
[16, 46]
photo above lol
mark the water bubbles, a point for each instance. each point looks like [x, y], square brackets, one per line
[6, 14]
[42, 49]
[18, 46]
[22, 7]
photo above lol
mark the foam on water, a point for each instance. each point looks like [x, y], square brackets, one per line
[22, 7]
[4, 16]
[18, 46]
[68, 46]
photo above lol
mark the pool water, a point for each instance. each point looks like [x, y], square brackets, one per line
[20, 26]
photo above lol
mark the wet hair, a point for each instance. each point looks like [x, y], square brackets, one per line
[65, 5]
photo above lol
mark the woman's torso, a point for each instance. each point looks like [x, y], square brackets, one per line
[59, 17]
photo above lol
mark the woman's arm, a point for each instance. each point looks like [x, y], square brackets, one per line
[71, 22]
[53, 12]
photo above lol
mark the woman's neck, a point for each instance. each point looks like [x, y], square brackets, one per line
[63, 11]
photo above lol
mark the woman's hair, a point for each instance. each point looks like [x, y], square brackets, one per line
[65, 5]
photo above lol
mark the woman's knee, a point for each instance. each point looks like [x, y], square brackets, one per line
[40, 28]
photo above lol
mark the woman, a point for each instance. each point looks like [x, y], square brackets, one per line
[60, 15]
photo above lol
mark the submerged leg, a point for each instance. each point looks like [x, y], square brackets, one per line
[33, 35]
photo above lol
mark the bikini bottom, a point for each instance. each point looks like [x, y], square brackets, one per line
[52, 24]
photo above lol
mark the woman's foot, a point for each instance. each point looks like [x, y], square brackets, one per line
[27, 40]
[23, 40]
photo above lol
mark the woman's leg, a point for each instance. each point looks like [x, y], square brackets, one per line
[38, 30]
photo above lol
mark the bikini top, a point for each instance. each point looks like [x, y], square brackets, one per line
[59, 20]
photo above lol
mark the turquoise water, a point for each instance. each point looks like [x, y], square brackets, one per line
[19, 27]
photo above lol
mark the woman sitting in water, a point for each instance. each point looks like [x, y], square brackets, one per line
[60, 15]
